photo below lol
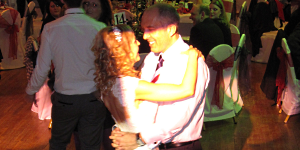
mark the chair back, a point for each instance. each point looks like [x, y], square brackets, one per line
[10, 16]
[291, 95]
[9, 22]
[10, 45]
[27, 22]
[240, 46]
[123, 16]
[288, 54]
[234, 85]
[228, 5]
[221, 52]
[219, 104]
[242, 12]
[235, 36]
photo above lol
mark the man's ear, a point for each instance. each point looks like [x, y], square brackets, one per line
[172, 29]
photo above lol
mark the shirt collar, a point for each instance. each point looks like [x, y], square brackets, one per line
[74, 11]
[176, 48]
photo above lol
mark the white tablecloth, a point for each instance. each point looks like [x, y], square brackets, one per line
[267, 40]
[185, 25]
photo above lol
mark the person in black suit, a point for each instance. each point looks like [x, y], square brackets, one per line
[205, 34]
[293, 21]
[293, 42]
[261, 21]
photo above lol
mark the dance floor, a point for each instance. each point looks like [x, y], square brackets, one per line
[259, 125]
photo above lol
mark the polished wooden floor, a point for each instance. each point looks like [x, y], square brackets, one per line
[259, 125]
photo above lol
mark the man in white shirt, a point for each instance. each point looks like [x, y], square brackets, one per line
[67, 42]
[176, 125]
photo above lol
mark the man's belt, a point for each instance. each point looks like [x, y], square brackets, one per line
[174, 145]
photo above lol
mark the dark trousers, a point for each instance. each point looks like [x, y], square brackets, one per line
[82, 112]
[193, 146]
[21, 4]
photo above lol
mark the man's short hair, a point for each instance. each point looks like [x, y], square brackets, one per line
[205, 9]
[168, 14]
[73, 3]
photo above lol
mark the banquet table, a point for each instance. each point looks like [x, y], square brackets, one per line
[267, 40]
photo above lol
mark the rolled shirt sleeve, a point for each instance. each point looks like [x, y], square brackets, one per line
[181, 117]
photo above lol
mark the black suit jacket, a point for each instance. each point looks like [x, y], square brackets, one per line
[294, 45]
[293, 21]
[205, 36]
[225, 30]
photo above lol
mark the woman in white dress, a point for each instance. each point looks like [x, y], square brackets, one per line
[116, 51]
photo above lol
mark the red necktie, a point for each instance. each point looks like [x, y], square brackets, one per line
[159, 65]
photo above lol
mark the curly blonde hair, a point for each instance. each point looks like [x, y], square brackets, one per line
[113, 56]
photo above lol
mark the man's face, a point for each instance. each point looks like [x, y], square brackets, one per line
[195, 15]
[154, 33]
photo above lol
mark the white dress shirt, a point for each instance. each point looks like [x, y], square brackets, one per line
[67, 41]
[178, 121]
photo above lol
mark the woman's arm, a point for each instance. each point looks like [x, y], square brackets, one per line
[171, 92]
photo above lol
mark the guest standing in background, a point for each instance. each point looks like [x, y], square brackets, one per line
[67, 42]
[99, 10]
[53, 10]
[218, 14]
[294, 45]
[293, 21]
[205, 34]
[41, 105]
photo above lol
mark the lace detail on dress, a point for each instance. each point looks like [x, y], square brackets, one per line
[124, 90]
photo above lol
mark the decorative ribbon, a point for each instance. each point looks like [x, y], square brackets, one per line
[159, 65]
[218, 96]
[228, 5]
[235, 39]
[12, 31]
[281, 74]
[280, 10]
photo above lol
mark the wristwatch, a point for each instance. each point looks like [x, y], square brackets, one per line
[139, 141]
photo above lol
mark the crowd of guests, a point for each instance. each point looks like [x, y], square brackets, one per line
[211, 26]
[97, 87]
[82, 43]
